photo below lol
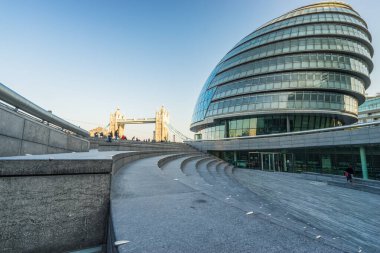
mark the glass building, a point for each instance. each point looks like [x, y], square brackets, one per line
[307, 69]
[369, 111]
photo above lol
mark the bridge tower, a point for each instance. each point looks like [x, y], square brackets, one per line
[115, 123]
[161, 132]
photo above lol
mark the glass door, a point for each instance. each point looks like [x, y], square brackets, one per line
[277, 162]
[268, 161]
[254, 160]
[288, 162]
[272, 162]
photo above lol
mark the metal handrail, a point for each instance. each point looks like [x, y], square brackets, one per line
[329, 129]
[19, 102]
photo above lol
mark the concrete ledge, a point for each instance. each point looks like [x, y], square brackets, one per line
[122, 159]
[59, 202]
[168, 159]
[54, 167]
[123, 145]
[336, 178]
[53, 206]
[187, 160]
[356, 186]
[116, 147]
[202, 160]
[53, 213]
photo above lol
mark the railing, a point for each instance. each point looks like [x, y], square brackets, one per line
[330, 129]
[19, 102]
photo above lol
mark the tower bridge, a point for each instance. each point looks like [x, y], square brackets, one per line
[161, 121]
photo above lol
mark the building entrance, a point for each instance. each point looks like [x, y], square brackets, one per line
[254, 160]
[270, 161]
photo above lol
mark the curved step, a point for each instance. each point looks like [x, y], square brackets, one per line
[202, 160]
[172, 168]
[192, 175]
[213, 170]
[164, 161]
[203, 171]
[219, 166]
[189, 168]
[189, 159]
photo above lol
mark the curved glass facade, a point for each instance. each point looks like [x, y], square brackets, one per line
[322, 61]
[268, 124]
[295, 100]
[299, 45]
[306, 69]
[304, 30]
[294, 80]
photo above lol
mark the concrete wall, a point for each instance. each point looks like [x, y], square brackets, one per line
[355, 136]
[20, 135]
[58, 203]
[53, 205]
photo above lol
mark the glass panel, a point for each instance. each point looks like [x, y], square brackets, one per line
[305, 122]
[311, 122]
[297, 122]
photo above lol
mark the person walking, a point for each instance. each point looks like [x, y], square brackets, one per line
[348, 173]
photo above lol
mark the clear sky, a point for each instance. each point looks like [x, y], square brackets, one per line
[83, 58]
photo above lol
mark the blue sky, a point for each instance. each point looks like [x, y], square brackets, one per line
[83, 58]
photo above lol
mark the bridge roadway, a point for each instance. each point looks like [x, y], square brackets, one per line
[200, 204]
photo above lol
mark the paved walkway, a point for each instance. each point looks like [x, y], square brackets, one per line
[213, 208]
[346, 217]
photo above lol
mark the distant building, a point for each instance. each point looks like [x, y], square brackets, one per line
[98, 130]
[369, 111]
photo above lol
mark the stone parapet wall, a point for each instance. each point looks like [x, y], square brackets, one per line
[20, 135]
[53, 205]
[58, 202]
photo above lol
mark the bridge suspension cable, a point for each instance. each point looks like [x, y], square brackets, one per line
[178, 133]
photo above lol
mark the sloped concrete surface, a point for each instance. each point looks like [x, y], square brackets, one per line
[201, 208]
[345, 215]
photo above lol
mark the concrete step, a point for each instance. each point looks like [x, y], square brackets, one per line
[227, 189]
[204, 173]
[359, 184]
[164, 161]
[192, 175]
[172, 168]
[189, 159]
[356, 186]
